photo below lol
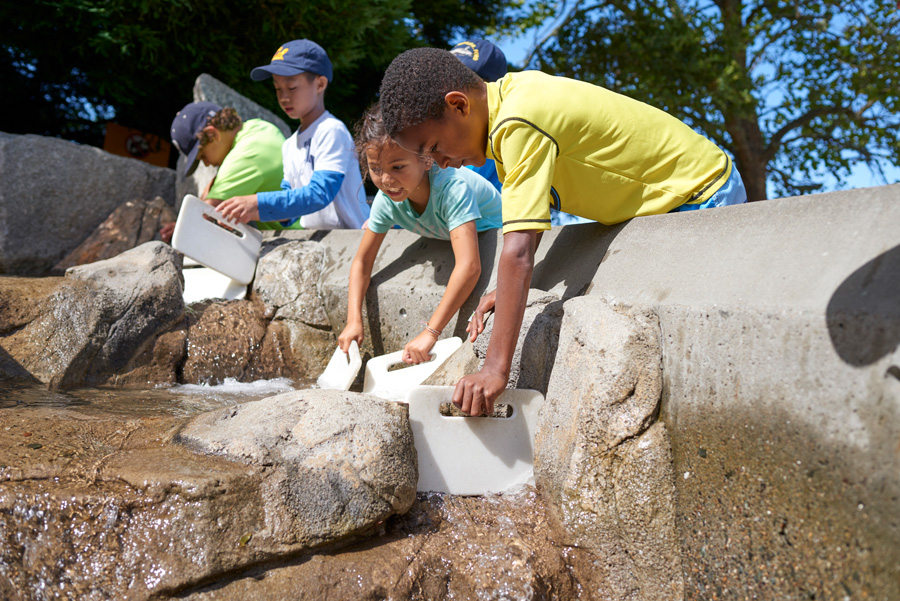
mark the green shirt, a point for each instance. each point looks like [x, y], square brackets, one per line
[253, 164]
[591, 152]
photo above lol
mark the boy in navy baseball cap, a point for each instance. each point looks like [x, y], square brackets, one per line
[293, 58]
[186, 128]
[488, 61]
[322, 187]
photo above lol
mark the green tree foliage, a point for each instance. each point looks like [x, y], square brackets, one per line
[794, 90]
[66, 66]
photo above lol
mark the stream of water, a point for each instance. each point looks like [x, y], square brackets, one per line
[183, 400]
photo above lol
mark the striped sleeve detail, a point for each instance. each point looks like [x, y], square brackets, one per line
[512, 221]
[526, 122]
[697, 196]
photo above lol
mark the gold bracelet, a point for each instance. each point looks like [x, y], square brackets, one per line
[430, 329]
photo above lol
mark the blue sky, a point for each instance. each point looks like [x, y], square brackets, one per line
[861, 177]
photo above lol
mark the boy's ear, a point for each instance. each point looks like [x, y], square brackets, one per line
[211, 132]
[321, 83]
[458, 101]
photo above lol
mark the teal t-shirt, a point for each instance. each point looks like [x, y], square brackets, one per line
[457, 197]
[253, 164]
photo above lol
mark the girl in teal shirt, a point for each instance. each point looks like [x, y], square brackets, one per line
[448, 204]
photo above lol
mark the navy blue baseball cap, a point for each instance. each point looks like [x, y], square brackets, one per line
[187, 124]
[294, 58]
[488, 61]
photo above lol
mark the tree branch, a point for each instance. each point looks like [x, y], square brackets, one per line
[804, 119]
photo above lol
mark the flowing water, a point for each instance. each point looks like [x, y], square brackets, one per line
[177, 401]
[497, 547]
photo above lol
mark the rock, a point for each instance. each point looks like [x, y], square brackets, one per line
[607, 473]
[85, 328]
[158, 364]
[142, 518]
[142, 298]
[223, 338]
[55, 193]
[286, 282]
[535, 349]
[445, 548]
[129, 226]
[341, 461]
[209, 89]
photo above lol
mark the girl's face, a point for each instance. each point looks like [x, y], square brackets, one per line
[397, 172]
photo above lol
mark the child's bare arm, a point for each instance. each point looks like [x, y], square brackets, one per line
[466, 270]
[476, 393]
[360, 275]
[486, 304]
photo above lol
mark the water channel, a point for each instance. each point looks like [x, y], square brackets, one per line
[446, 547]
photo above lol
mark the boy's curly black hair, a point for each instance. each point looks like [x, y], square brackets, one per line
[415, 84]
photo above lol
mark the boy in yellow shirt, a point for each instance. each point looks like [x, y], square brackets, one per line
[557, 143]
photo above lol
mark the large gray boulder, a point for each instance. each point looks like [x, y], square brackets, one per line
[287, 283]
[53, 193]
[601, 457]
[87, 327]
[340, 461]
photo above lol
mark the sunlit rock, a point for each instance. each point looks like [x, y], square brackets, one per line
[88, 326]
[286, 282]
[607, 473]
[340, 461]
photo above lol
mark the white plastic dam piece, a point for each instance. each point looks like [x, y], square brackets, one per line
[341, 370]
[229, 248]
[393, 384]
[201, 283]
[473, 455]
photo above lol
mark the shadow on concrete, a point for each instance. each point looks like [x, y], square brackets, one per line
[575, 268]
[863, 314]
[487, 248]
[436, 251]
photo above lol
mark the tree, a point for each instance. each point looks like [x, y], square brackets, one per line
[67, 66]
[792, 89]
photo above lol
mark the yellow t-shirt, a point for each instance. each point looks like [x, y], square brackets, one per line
[590, 152]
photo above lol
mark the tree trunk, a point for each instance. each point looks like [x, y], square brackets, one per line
[749, 153]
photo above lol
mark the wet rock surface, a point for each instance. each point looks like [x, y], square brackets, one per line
[81, 329]
[445, 547]
[138, 516]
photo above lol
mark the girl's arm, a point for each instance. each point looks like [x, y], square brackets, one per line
[466, 272]
[360, 274]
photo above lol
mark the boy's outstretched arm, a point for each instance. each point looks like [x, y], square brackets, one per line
[286, 204]
[475, 394]
[360, 275]
[465, 274]
[486, 304]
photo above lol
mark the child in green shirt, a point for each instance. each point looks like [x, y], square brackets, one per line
[247, 153]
